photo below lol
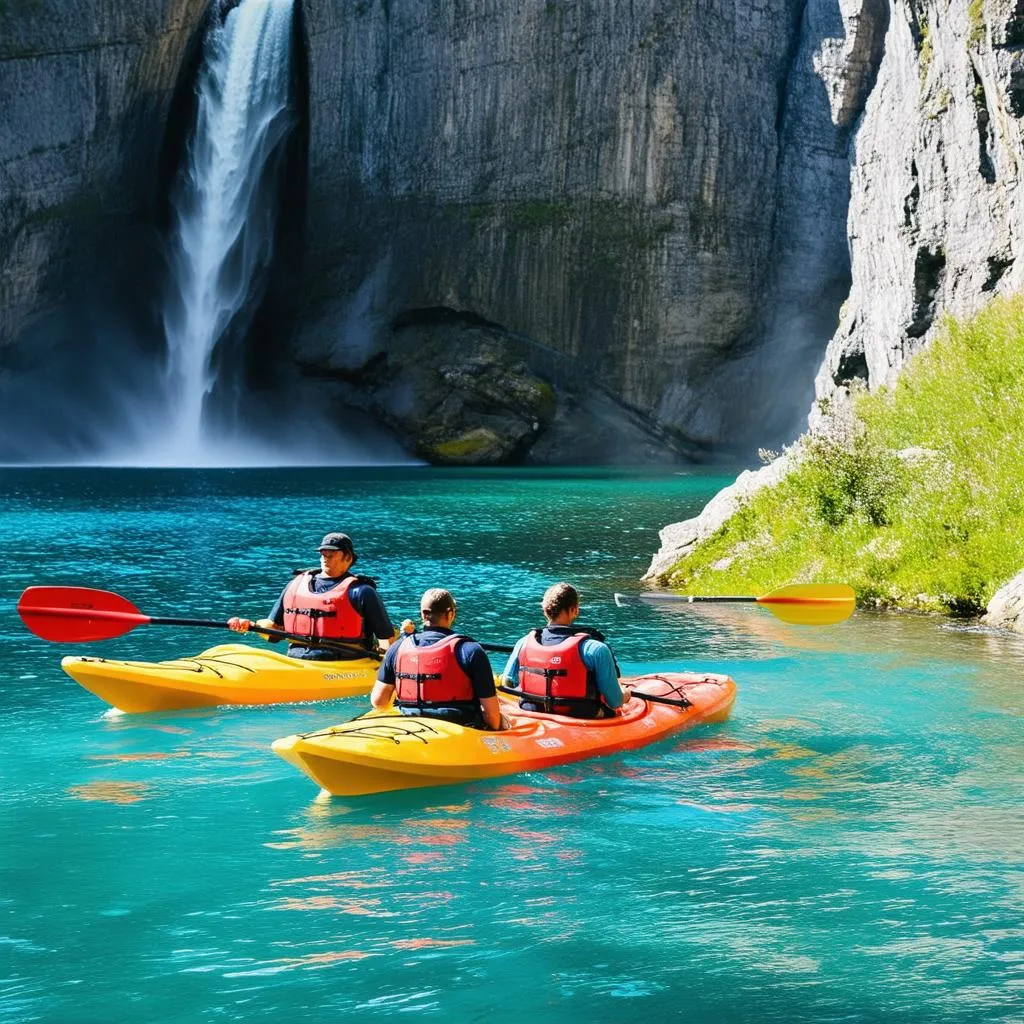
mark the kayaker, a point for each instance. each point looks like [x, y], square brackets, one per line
[439, 673]
[565, 669]
[329, 603]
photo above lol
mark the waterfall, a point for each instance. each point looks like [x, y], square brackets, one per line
[224, 212]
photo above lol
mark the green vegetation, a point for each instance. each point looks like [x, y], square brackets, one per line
[538, 213]
[471, 446]
[976, 18]
[942, 102]
[921, 507]
[924, 50]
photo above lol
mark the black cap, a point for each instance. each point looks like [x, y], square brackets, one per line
[338, 542]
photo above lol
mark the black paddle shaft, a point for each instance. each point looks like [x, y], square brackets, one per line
[276, 634]
[280, 634]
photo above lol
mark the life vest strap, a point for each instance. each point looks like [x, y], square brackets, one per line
[313, 613]
[547, 673]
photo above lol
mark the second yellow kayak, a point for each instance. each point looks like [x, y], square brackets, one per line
[226, 674]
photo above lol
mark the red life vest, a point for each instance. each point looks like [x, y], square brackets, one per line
[327, 616]
[431, 674]
[555, 675]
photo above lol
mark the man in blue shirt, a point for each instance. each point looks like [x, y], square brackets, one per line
[331, 604]
[439, 673]
[562, 668]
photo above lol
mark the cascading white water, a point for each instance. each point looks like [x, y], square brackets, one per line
[224, 232]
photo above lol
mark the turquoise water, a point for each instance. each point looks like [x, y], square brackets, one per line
[847, 847]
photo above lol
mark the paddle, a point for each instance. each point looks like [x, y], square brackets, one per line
[650, 697]
[806, 604]
[497, 648]
[77, 614]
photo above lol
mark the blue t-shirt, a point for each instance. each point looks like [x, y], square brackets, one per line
[597, 656]
[365, 600]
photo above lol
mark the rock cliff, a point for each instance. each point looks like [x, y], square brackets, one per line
[647, 205]
[85, 92]
[1006, 609]
[655, 191]
[936, 219]
[936, 212]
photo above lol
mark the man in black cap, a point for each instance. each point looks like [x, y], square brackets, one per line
[330, 604]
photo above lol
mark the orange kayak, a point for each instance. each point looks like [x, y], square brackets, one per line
[384, 750]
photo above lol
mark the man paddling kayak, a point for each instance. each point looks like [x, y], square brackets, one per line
[439, 673]
[565, 669]
[329, 603]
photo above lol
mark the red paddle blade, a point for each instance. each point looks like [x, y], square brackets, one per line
[77, 613]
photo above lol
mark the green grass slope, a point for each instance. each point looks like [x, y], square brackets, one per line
[922, 504]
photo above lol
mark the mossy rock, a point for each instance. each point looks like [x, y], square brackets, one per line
[479, 446]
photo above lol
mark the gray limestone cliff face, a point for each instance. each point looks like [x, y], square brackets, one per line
[637, 193]
[651, 197]
[838, 55]
[937, 208]
[643, 203]
[936, 213]
[85, 89]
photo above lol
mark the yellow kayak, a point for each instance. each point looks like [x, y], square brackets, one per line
[384, 750]
[227, 674]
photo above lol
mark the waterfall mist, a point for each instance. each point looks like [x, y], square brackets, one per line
[224, 264]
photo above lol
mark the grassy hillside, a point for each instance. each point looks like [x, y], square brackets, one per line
[922, 506]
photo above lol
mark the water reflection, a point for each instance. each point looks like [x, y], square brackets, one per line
[111, 792]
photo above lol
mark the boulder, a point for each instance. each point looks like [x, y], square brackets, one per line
[679, 539]
[1006, 609]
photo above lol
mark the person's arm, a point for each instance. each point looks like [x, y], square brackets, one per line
[275, 620]
[598, 658]
[381, 695]
[383, 691]
[490, 708]
[477, 666]
[367, 602]
[407, 627]
[276, 616]
[510, 673]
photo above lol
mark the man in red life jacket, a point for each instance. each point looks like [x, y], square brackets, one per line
[565, 669]
[439, 673]
[329, 604]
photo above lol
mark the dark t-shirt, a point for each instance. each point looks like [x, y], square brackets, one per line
[471, 658]
[365, 600]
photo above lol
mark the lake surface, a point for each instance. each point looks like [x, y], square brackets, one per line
[848, 847]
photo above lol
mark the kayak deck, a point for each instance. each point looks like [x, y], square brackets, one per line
[226, 674]
[385, 750]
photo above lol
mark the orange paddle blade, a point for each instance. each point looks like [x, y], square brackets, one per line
[811, 604]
